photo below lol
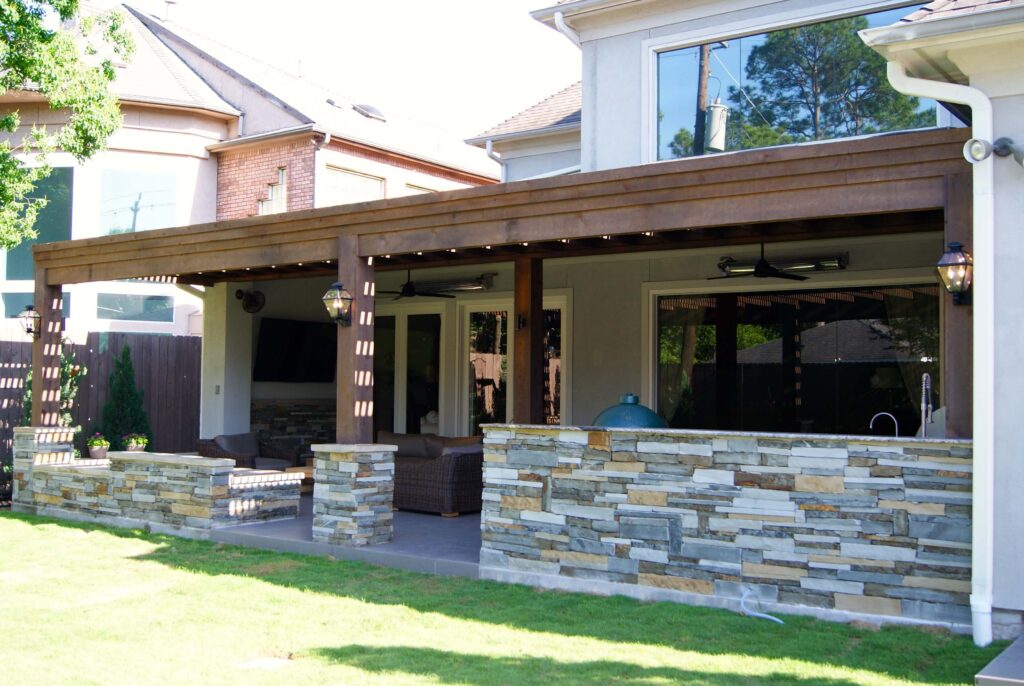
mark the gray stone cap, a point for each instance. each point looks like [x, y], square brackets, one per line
[169, 458]
[353, 448]
[704, 433]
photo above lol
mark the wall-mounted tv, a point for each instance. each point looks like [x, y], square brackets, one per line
[293, 351]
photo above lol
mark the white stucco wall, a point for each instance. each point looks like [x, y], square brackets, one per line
[619, 98]
[226, 363]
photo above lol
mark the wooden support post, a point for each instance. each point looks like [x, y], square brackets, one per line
[957, 320]
[528, 365]
[354, 377]
[46, 353]
[727, 387]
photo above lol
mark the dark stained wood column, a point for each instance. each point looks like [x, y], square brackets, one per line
[46, 353]
[727, 381]
[355, 348]
[792, 371]
[958, 320]
[528, 364]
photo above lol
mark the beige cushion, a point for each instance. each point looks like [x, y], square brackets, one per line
[246, 444]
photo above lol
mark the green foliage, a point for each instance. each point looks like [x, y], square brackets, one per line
[71, 375]
[64, 66]
[123, 413]
[819, 82]
[681, 144]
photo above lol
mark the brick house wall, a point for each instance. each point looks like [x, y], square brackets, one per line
[244, 177]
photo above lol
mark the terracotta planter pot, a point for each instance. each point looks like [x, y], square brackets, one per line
[97, 453]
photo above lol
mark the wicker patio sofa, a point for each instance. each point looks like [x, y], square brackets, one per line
[247, 450]
[437, 474]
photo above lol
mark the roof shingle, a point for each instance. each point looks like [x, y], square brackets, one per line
[560, 109]
[940, 9]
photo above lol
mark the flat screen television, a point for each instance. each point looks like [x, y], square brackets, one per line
[294, 351]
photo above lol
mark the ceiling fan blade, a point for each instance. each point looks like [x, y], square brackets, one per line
[785, 275]
[728, 276]
[435, 295]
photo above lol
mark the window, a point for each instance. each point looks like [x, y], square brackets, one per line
[413, 189]
[814, 82]
[135, 307]
[132, 200]
[343, 186]
[821, 361]
[14, 303]
[53, 223]
[277, 195]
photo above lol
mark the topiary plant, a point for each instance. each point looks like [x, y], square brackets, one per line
[123, 413]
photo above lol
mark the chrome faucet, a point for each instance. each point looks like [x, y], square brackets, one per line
[895, 423]
[926, 403]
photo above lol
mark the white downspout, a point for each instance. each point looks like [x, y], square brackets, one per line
[983, 297]
[496, 157]
[566, 30]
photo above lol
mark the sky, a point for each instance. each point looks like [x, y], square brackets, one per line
[458, 65]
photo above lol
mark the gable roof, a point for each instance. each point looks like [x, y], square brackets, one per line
[556, 112]
[307, 102]
[940, 9]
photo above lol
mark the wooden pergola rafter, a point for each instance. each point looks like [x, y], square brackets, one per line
[875, 185]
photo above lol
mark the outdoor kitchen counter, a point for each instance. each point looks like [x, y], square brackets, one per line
[837, 526]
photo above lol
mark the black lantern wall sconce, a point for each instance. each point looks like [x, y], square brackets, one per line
[338, 302]
[956, 270]
[30, 321]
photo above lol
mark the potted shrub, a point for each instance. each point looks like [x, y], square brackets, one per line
[134, 443]
[98, 445]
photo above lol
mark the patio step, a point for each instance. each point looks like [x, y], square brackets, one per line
[1006, 669]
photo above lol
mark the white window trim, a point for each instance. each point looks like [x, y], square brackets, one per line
[746, 23]
[651, 291]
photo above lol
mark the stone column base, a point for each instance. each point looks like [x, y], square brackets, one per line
[352, 494]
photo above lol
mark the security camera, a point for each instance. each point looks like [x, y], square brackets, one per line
[1004, 147]
[977, 150]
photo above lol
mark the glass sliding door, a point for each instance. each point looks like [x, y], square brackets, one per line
[383, 374]
[821, 361]
[423, 373]
[488, 368]
[407, 363]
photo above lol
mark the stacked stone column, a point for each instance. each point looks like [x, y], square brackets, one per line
[353, 494]
[39, 446]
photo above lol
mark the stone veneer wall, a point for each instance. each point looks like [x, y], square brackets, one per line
[180, 491]
[861, 525]
[294, 422]
[353, 492]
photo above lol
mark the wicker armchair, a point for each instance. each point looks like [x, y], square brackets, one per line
[250, 452]
[437, 474]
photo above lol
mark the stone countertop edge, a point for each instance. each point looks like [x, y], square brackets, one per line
[170, 458]
[704, 433]
[353, 448]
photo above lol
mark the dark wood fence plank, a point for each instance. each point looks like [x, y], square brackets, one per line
[166, 369]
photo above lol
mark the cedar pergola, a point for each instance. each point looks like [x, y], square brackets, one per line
[875, 185]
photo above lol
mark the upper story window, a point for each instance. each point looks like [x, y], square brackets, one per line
[343, 186]
[53, 223]
[135, 200]
[813, 82]
[277, 195]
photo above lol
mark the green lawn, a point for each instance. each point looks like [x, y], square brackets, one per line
[85, 604]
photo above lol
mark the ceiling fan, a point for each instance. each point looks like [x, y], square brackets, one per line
[439, 289]
[763, 269]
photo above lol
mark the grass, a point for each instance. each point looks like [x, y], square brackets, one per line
[90, 605]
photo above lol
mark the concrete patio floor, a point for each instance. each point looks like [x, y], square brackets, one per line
[422, 542]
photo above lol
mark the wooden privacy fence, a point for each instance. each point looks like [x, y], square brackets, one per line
[166, 370]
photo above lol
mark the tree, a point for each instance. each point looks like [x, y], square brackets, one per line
[821, 81]
[681, 144]
[123, 412]
[71, 374]
[65, 66]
